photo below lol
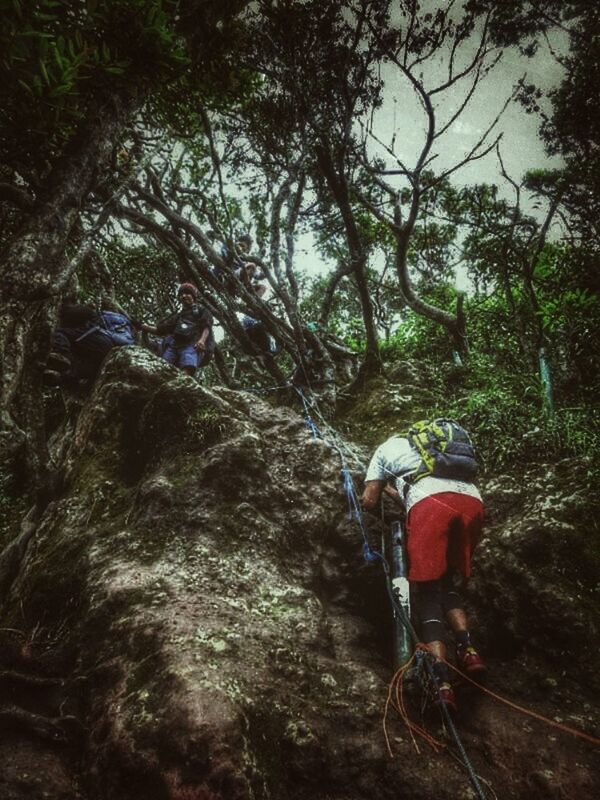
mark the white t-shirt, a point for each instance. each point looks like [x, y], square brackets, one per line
[395, 458]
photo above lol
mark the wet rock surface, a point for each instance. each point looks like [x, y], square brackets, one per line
[198, 604]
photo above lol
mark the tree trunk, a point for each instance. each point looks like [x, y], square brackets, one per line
[455, 324]
[33, 276]
[337, 185]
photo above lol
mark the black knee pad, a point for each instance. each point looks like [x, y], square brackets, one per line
[433, 630]
[429, 611]
[450, 596]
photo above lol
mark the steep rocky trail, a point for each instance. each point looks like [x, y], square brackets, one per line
[198, 601]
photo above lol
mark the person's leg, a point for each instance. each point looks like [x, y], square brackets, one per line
[59, 362]
[428, 525]
[188, 359]
[60, 353]
[429, 616]
[168, 351]
[91, 349]
[467, 657]
[261, 338]
[452, 605]
[464, 532]
[427, 538]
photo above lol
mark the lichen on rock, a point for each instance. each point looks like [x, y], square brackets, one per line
[202, 592]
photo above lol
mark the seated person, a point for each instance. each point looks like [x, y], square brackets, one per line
[189, 342]
[82, 340]
[232, 258]
[248, 274]
[257, 333]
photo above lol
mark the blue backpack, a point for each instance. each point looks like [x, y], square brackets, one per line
[118, 328]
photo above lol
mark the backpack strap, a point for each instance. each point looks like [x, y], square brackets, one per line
[429, 438]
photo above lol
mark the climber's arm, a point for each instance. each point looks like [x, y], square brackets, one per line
[371, 494]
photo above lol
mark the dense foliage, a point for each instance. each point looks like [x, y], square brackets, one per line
[141, 139]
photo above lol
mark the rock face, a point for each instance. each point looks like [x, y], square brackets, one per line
[198, 612]
[539, 568]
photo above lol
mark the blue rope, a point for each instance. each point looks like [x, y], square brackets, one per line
[354, 509]
[266, 390]
[355, 513]
[310, 423]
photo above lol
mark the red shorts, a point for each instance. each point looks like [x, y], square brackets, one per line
[443, 530]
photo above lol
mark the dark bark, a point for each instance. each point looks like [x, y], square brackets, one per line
[33, 276]
[223, 302]
[341, 272]
[453, 323]
[221, 368]
[9, 193]
[31, 260]
[212, 293]
[14, 553]
[60, 730]
[338, 187]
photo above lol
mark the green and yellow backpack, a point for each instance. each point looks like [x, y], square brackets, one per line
[445, 448]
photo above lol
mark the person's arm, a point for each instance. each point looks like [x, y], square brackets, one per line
[394, 494]
[163, 327]
[372, 494]
[201, 343]
[387, 462]
[206, 321]
[259, 289]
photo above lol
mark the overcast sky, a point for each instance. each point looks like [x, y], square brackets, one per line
[522, 149]
[521, 146]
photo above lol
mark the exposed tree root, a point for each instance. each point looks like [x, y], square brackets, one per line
[13, 677]
[62, 730]
[13, 553]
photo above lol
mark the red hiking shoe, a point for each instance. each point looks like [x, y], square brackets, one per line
[445, 697]
[469, 661]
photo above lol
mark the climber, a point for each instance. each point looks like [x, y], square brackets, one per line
[233, 259]
[83, 338]
[432, 468]
[188, 337]
[248, 274]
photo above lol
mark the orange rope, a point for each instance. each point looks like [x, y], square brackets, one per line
[528, 712]
[395, 699]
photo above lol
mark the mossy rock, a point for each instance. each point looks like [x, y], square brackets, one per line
[384, 409]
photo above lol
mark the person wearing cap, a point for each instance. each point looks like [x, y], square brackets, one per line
[188, 337]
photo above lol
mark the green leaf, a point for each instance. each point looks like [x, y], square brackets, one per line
[25, 86]
[31, 34]
[57, 57]
[45, 73]
[64, 88]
